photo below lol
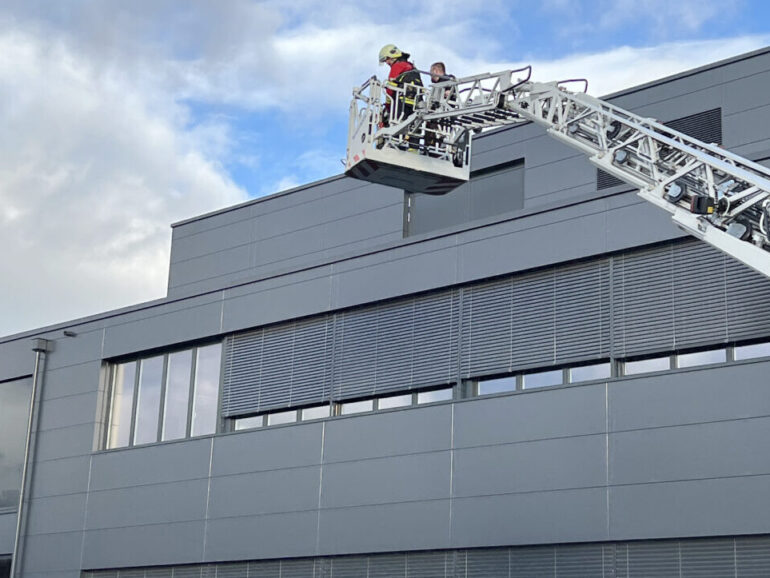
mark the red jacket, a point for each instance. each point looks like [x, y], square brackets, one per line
[397, 69]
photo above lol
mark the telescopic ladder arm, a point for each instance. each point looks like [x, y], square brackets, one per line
[711, 193]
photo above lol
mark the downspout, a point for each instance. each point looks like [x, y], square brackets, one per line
[40, 347]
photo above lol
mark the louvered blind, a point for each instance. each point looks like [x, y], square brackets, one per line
[653, 559]
[579, 561]
[741, 557]
[748, 301]
[541, 318]
[752, 555]
[349, 567]
[487, 328]
[396, 346]
[426, 564]
[483, 563]
[708, 558]
[642, 294]
[705, 126]
[669, 297]
[278, 366]
[685, 294]
[387, 566]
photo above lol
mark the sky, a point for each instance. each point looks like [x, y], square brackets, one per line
[120, 118]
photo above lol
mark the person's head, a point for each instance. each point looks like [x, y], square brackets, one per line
[437, 70]
[390, 54]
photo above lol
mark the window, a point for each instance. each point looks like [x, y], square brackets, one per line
[590, 372]
[356, 406]
[249, 422]
[701, 358]
[647, 365]
[148, 400]
[434, 395]
[316, 412]
[752, 351]
[394, 401]
[164, 397]
[280, 417]
[543, 379]
[14, 413]
[176, 402]
[123, 378]
[500, 385]
[206, 389]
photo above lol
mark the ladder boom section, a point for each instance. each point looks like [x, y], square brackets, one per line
[713, 194]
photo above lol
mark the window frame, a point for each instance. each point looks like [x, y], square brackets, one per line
[112, 366]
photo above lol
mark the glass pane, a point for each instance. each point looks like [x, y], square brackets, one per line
[489, 386]
[177, 395]
[206, 390]
[357, 406]
[282, 417]
[435, 395]
[543, 378]
[589, 372]
[394, 401]
[14, 415]
[647, 365]
[316, 412]
[249, 422]
[702, 358]
[752, 351]
[148, 402]
[122, 404]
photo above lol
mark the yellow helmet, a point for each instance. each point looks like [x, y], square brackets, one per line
[390, 51]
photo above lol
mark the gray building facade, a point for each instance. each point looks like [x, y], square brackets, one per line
[534, 375]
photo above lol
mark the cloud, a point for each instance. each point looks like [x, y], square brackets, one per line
[91, 175]
[119, 118]
[655, 20]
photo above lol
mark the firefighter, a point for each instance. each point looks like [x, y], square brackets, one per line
[402, 74]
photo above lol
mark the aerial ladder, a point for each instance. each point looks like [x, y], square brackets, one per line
[711, 193]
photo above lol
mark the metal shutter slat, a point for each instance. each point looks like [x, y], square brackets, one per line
[653, 559]
[708, 558]
[491, 563]
[387, 566]
[579, 561]
[535, 562]
[426, 564]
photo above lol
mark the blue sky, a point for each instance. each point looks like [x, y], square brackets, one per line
[119, 118]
